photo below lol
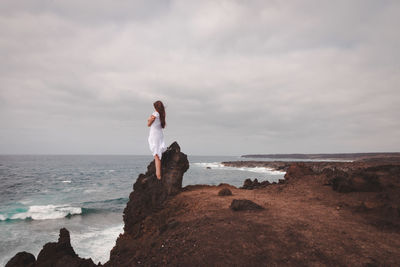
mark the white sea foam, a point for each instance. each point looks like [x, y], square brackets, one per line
[44, 212]
[219, 165]
[66, 181]
[97, 243]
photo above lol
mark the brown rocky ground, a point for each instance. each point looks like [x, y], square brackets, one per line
[304, 223]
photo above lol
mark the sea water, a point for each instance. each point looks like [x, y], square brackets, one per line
[39, 194]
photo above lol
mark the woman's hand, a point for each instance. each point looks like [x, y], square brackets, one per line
[150, 120]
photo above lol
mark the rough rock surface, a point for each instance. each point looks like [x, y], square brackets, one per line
[225, 192]
[274, 165]
[244, 204]
[147, 198]
[150, 193]
[58, 253]
[61, 253]
[22, 259]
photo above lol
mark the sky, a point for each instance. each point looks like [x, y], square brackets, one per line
[236, 77]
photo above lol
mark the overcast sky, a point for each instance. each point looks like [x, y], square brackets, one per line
[237, 77]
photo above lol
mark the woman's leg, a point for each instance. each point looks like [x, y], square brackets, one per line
[158, 166]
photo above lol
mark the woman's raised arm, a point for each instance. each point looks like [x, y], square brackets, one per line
[150, 120]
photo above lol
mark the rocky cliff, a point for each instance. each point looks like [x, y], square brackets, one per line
[148, 197]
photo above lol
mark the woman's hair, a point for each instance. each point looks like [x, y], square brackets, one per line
[159, 106]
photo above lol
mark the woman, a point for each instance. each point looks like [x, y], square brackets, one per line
[156, 122]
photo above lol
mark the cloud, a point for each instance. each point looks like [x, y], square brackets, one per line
[237, 77]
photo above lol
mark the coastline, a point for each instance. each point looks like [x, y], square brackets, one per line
[323, 213]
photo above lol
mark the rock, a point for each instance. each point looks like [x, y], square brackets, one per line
[209, 168]
[355, 181]
[225, 192]
[249, 184]
[298, 170]
[58, 253]
[147, 197]
[244, 204]
[22, 259]
[150, 193]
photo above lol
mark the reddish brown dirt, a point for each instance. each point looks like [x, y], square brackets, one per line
[304, 223]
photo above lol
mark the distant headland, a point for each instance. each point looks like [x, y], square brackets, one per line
[333, 156]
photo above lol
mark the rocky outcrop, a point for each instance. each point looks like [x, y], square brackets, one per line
[58, 253]
[298, 170]
[61, 253]
[273, 165]
[254, 184]
[148, 198]
[149, 193]
[22, 259]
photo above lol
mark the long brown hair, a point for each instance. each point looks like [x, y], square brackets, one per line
[159, 106]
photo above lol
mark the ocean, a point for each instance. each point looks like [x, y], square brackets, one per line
[39, 194]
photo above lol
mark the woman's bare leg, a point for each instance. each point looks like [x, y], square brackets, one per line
[158, 166]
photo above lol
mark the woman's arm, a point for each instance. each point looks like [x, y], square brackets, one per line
[150, 120]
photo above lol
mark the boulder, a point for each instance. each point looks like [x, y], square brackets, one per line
[225, 192]
[244, 204]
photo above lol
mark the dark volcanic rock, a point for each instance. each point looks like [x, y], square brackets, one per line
[61, 253]
[22, 259]
[150, 193]
[298, 170]
[148, 197]
[244, 204]
[355, 181]
[249, 184]
[58, 253]
[225, 192]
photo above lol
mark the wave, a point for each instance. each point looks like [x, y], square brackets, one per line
[219, 165]
[47, 212]
[107, 205]
[121, 200]
[42, 212]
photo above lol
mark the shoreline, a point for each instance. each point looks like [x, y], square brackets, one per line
[322, 213]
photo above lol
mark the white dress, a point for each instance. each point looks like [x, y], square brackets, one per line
[156, 137]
